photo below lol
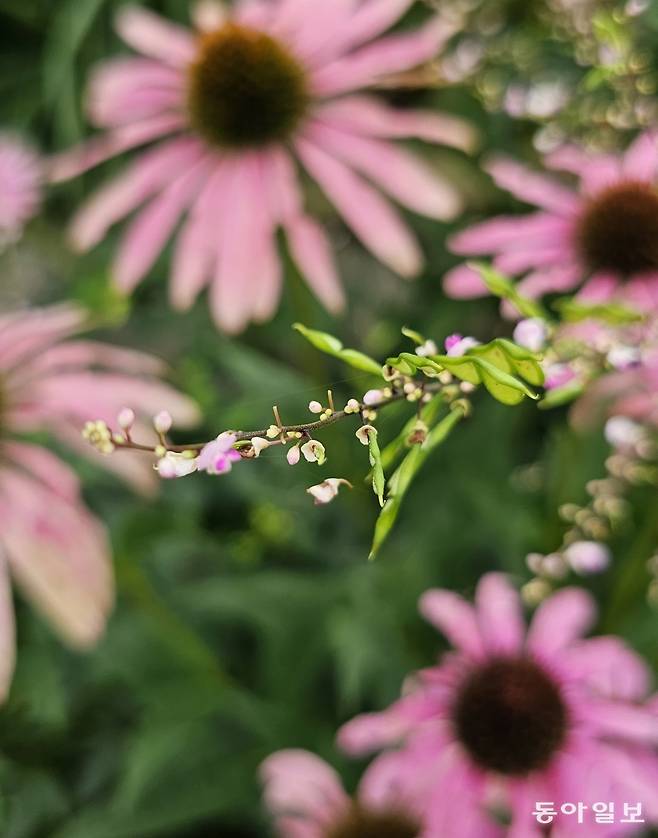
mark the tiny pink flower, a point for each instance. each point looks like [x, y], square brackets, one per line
[162, 422]
[314, 452]
[232, 110]
[53, 548]
[514, 716]
[372, 398]
[456, 345]
[587, 557]
[20, 187]
[559, 375]
[218, 456]
[599, 238]
[126, 418]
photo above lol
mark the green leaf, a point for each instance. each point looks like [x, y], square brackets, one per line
[416, 337]
[503, 287]
[378, 478]
[562, 395]
[613, 313]
[502, 366]
[332, 346]
[402, 478]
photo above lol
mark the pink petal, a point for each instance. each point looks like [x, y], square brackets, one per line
[125, 90]
[7, 630]
[300, 783]
[464, 283]
[596, 171]
[373, 220]
[405, 177]
[499, 614]
[453, 617]
[641, 158]
[383, 58]
[125, 193]
[72, 163]
[311, 250]
[551, 280]
[509, 232]
[312, 29]
[533, 188]
[609, 668]
[561, 619]
[60, 556]
[641, 292]
[361, 114]
[520, 261]
[46, 468]
[27, 333]
[156, 37]
[599, 289]
[623, 721]
[370, 20]
[148, 234]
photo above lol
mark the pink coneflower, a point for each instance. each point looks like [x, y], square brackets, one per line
[241, 100]
[511, 719]
[307, 799]
[601, 235]
[56, 551]
[20, 187]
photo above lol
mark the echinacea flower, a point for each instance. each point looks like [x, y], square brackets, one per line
[600, 236]
[307, 799]
[20, 187]
[513, 718]
[52, 546]
[237, 103]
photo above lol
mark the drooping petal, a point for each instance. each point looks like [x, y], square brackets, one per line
[148, 234]
[509, 232]
[623, 721]
[24, 334]
[365, 115]
[609, 668]
[373, 220]
[154, 36]
[533, 188]
[464, 283]
[45, 467]
[564, 617]
[499, 614]
[453, 617]
[404, 176]
[70, 164]
[386, 56]
[148, 174]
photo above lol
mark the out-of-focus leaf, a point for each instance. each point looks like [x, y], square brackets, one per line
[562, 395]
[402, 478]
[503, 287]
[614, 313]
[332, 346]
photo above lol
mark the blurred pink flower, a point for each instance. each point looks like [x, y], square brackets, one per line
[510, 718]
[20, 187]
[601, 235]
[240, 101]
[307, 799]
[56, 551]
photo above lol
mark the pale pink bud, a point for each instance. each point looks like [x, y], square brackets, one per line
[126, 419]
[531, 334]
[373, 397]
[162, 422]
[315, 407]
[587, 557]
[622, 432]
[293, 455]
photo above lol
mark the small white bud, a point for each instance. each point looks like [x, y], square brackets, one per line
[293, 455]
[126, 419]
[352, 406]
[162, 422]
[372, 397]
[273, 432]
[259, 444]
[315, 407]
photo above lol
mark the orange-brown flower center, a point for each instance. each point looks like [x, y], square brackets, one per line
[365, 823]
[618, 230]
[510, 716]
[245, 89]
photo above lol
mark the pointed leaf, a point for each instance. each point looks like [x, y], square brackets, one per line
[332, 346]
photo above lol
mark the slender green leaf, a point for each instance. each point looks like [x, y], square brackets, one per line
[503, 287]
[332, 346]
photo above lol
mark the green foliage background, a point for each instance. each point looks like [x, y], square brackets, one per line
[247, 620]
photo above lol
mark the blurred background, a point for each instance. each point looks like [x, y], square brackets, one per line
[247, 620]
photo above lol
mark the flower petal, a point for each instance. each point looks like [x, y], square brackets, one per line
[499, 614]
[453, 617]
[154, 36]
[561, 619]
[531, 187]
